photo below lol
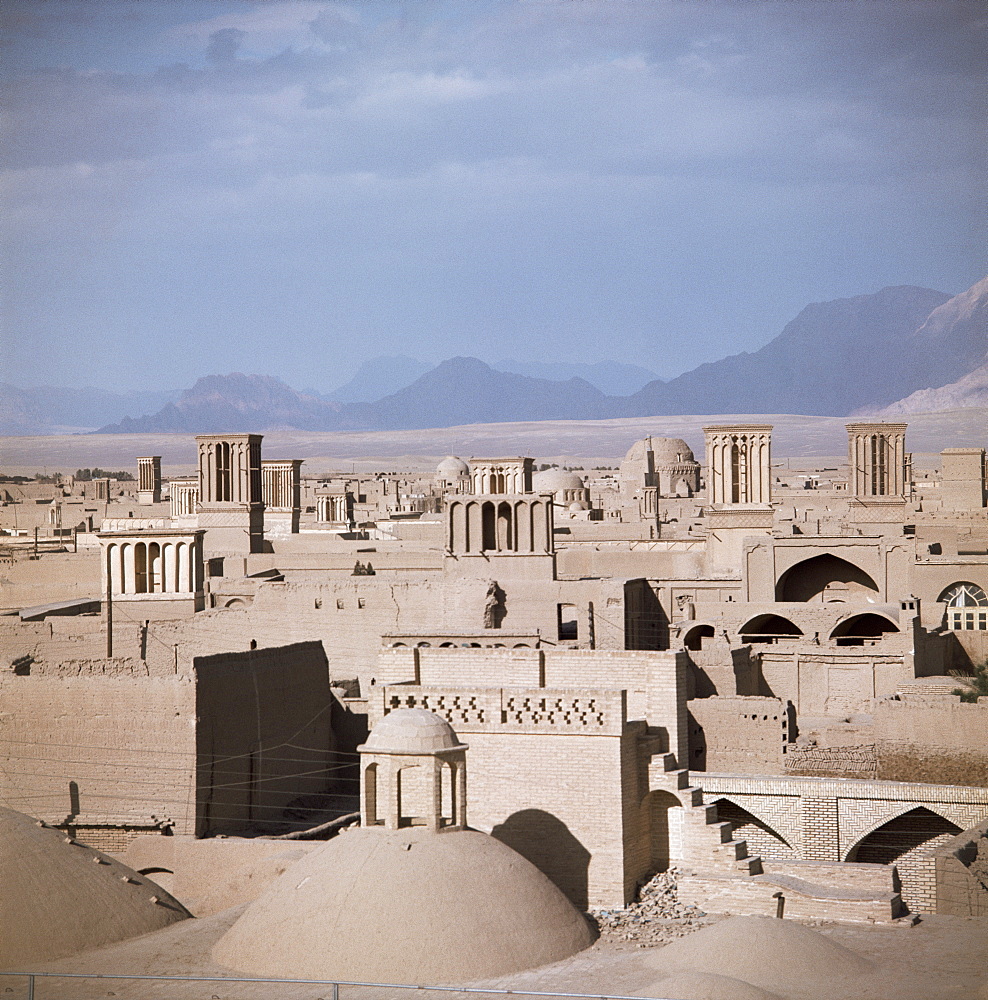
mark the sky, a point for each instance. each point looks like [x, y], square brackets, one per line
[291, 187]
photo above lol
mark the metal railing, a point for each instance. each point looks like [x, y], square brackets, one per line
[333, 993]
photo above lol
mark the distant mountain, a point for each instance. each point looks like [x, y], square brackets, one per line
[54, 410]
[864, 354]
[834, 357]
[468, 391]
[237, 404]
[969, 391]
[954, 338]
[378, 378]
[612, 377]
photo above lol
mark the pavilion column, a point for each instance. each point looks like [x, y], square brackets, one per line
[130, 569]
[169, 568]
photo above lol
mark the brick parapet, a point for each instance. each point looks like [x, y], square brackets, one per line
[559, 711]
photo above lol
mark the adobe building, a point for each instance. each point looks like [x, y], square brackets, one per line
[756, 666]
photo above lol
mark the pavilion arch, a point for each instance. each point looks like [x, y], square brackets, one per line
[696, 637]
[762, 839]
[665, 824]
[907, 833]
[768, 628]
[825, 578]
[859, 629]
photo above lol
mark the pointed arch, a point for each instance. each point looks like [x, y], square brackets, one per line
[824, 578]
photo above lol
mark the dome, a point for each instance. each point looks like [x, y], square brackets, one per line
[61, 897]
[553, 480]
[412, 731]
[665, 451]
[671, 451]
[452, 467]
[405, 906]
[577, 505]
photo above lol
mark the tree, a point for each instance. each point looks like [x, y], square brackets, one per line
[977, 684]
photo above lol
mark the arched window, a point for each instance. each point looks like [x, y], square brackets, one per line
[967, 607]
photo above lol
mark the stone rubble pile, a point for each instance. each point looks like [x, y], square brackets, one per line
[657, 917]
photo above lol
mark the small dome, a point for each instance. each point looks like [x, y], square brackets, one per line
[412, 730]
[452, 467]
[553, 480]
[578, 505]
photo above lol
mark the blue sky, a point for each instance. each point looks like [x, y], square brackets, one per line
[293, 187]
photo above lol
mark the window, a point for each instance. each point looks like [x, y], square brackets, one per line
[967, 607]
[568, 630]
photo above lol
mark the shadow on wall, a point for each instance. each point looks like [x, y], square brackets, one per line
[548, 843]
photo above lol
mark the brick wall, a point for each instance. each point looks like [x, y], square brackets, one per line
[552, 773]
[938, 739]
[121, 748]
[264, 736]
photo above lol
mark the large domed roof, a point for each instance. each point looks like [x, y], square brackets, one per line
[552, 480]
[671, 451]
[61, 897]
[406, 906]
[452, 468]
[413, 731]
[666, 451]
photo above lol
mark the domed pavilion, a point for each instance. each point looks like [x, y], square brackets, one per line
[413, 895]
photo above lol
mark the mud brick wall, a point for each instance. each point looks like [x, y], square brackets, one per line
[940, 740]
[741, 735]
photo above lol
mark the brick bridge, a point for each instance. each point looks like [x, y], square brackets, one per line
[847, 819]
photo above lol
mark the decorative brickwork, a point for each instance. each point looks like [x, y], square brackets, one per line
[457, 709]
[763, 839]
[837, 762]
[535, 710]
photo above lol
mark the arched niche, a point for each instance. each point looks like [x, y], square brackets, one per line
[863, 629]
[824, 578]
[769, 628]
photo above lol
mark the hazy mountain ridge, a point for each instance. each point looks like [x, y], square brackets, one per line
[235, 403]
[869, 353]
[969, 391]
[466, 390]
[50, 409]
[613, 378]
[831, 359]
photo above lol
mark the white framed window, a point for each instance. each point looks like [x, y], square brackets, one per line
[967, 607]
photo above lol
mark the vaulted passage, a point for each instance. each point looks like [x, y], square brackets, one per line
[913, 834]
[825, 578]
[760, 837]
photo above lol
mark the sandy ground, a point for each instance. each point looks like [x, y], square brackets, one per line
[941, 958]
[580, 442]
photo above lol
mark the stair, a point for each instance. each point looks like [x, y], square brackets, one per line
[709, 843]
[724, 877]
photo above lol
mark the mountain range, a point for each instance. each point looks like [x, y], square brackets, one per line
[893, 351]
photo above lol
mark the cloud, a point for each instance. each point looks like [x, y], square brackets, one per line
[471, 169]
[223, 45]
